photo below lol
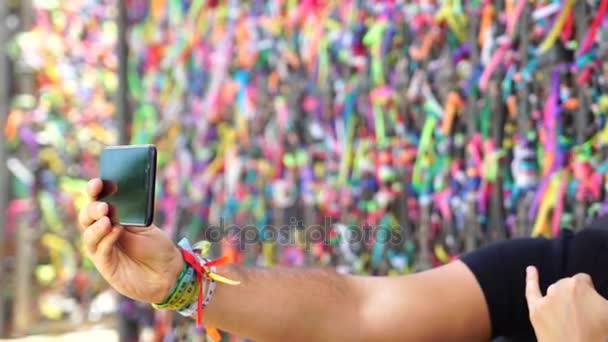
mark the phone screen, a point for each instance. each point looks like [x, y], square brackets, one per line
[128, 174]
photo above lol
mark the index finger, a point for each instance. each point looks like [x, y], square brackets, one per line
[94, 187]
[533, 293]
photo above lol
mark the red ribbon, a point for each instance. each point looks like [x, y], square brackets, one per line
[200, 271]
[595, 25]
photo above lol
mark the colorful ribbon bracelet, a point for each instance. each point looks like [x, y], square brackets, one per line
[183, 292]
[209, 289]
[205, 271]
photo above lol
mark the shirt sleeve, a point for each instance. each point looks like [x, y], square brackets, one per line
[500, 269]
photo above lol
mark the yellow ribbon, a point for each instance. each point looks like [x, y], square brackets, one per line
[557, 28]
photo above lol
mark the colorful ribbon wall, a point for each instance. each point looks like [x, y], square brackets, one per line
[55, 131]
[426, 120]
[443, 124]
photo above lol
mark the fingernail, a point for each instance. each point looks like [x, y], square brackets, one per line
[528, 269]
[101, 207]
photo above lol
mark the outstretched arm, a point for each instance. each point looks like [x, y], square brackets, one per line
[278, 304]
[282, 304]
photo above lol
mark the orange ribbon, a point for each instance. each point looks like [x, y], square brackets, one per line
[200, 271]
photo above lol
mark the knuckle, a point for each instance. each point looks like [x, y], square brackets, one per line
[90, 229]
[91, 186]
[88, 240]
[81, 216]
[572, 284]
[86, 211]
[91, 207]
[562, 285]
[83, 220]
[580, 282]
[92, 211]
[581, 278]
[104, 222]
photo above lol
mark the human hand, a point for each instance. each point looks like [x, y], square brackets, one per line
[571, 311]
[140, 263]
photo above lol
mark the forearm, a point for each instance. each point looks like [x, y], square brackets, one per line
[298, 304]
[282, 304]
[278, 304]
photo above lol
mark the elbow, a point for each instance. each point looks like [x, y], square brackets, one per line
[347, 310]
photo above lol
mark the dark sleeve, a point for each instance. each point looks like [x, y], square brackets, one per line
[500, 270]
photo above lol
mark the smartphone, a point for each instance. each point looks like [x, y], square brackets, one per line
[128, 174]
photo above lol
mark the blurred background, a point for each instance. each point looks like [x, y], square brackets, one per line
[449, 124]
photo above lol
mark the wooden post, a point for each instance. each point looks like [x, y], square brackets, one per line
[128, 328]
[23, 279]
[496, 213]
[24, 240]
[583, 116]
[424, 258]
[523, 226]
[471, 229]
[122, 97]
[4, 108]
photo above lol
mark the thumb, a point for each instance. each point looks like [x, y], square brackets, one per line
[584, 278]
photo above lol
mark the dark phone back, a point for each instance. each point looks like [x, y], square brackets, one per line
[129, 175]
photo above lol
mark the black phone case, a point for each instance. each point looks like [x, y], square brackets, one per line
[128, 173]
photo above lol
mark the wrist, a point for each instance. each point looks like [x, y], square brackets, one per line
[176, 267]
[177, 264]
